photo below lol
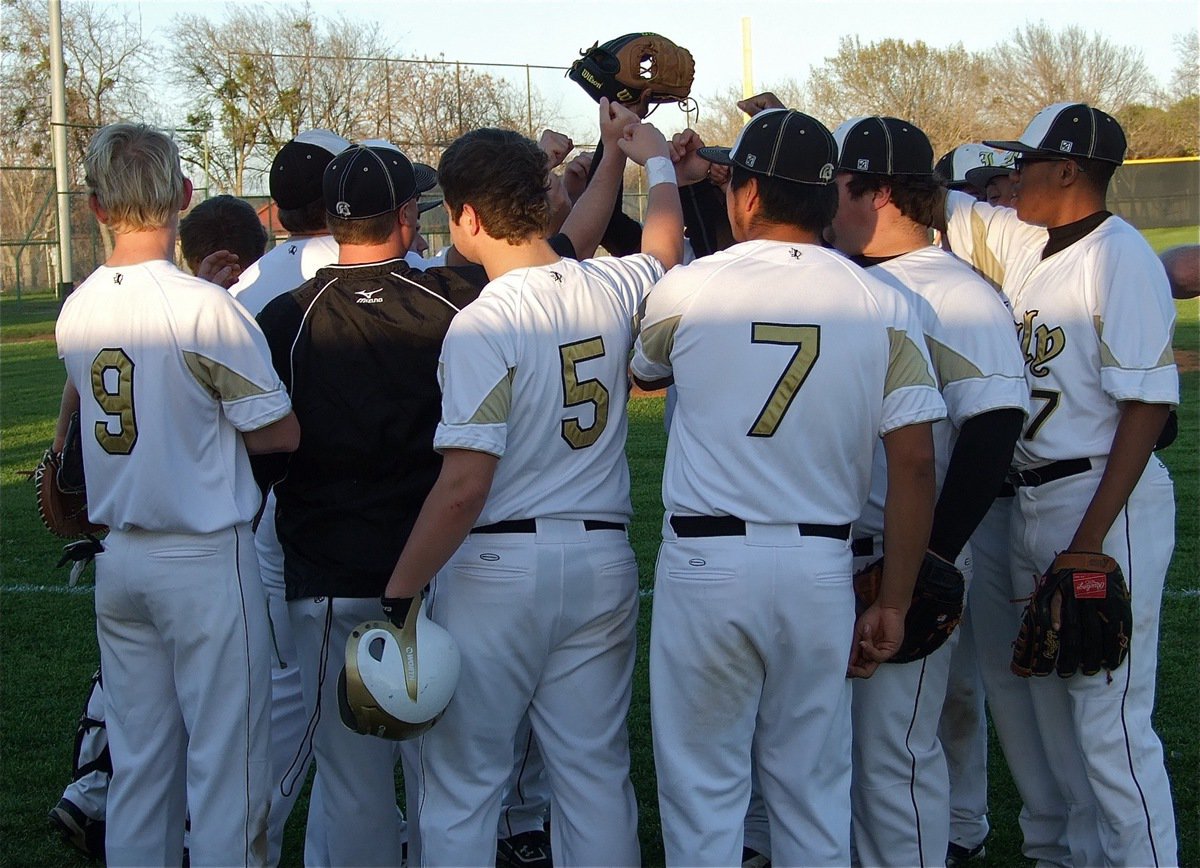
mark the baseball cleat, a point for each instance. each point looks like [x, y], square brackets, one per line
[525, 850]
[753, 859]
[78, 829]
[957, 855]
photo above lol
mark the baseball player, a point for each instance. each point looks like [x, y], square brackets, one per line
[901, 789]
[754, 611]
[224, 226]
[541, 595]
[177, 381]
[977, 170]
[295, 187]
[1094, 318]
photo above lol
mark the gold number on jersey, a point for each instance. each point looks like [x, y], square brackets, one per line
[1051, 398]
[118, 403]
[577, 392]
[807, 341]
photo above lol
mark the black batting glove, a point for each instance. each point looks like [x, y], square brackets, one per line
[395, 609]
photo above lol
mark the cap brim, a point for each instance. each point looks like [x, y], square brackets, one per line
[720, 156]
[429, 206]
[1024, 148]
[426, 177]
[979, 177]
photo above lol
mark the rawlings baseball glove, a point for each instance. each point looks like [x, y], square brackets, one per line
[936, 608]
[623, 68]
[1087, 595]
[62, 489]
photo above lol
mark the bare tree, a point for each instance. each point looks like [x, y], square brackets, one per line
[1185, 80]
[108, 62]
[1038, 66]
[720, 120]
[938, 89]
[261, 75]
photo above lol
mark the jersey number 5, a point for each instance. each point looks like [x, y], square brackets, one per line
[113, 367]
[577, 392]
[807, 341]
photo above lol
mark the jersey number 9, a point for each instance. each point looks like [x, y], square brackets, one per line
[112, 385]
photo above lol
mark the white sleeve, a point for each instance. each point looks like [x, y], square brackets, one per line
[910, 392]
[1136, 322]
[973, 345]
[630, 277]
[986, 236]
[229, 357]
[476, 372]
[664, 308]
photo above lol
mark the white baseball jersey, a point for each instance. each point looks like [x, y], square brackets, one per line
[162, 450]
[974, 352]
[557, 401]
[282, 269]
[813, 358]
[1094, 322]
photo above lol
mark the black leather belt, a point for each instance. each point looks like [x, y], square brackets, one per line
[864, 546]
[529, 525]
[727, 525]
[1048, 473]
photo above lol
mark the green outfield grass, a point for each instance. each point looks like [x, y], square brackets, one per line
[48, 646]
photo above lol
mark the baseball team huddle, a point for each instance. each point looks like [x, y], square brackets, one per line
[368, 509]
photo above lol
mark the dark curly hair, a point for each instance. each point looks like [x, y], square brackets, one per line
[502, 175]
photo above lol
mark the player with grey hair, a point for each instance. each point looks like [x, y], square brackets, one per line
[176, 381]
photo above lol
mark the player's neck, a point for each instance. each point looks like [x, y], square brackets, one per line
[134, 248]
[780, 232]
[498, 257]
[896, 237]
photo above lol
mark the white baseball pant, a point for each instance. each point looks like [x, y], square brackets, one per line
[900, 792]
[546, 625]
[748, 651]
[185, 649]
[996, 608]
[1098, 728]
[963, 733]
[357, 804]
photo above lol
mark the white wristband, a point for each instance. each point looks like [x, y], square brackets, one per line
[660, 170]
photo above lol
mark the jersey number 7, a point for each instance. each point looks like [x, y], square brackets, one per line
[807, 341]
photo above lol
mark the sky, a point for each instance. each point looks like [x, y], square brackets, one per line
[787, 36]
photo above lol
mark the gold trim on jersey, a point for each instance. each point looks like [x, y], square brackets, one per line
[659, 339]
[1108, 360]
[906, 363]
[982, 258]
[949, 365]
[493, 410]
[219, 381]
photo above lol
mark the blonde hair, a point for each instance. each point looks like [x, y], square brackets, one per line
[133, 170]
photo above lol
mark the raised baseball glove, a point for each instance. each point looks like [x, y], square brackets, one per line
[936, 608]
[623, 68]
[62, 489]
[1086, 594]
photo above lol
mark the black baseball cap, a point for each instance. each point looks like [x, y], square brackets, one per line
[781, 143]
[883, 146]
[296, 171]
[429, 206]
[1070, 129]
[373, 178]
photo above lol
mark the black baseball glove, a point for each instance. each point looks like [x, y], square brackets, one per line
[936, 608]
[1085, 594]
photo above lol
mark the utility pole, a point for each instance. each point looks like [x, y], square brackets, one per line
[58, 133]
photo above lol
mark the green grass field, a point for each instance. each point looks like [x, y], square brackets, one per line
[48, 646]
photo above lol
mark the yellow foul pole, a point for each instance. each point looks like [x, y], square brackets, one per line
[747, 62]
